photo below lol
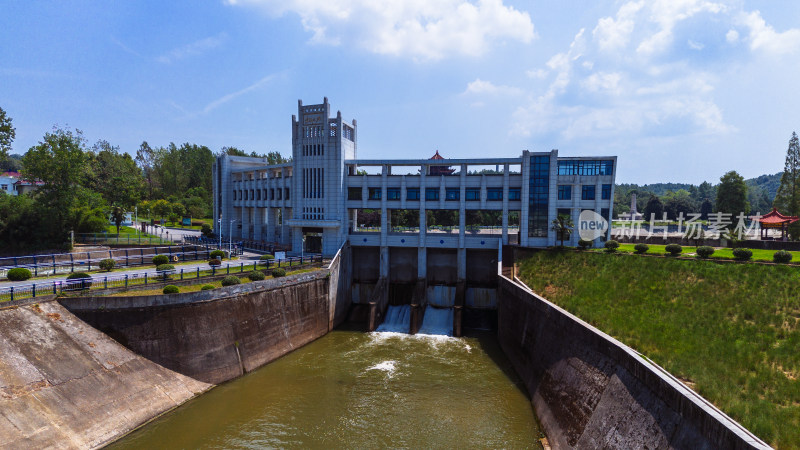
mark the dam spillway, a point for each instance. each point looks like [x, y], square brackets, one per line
[351, 389]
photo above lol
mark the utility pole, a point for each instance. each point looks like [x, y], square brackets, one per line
[219, 230]
[230, 238]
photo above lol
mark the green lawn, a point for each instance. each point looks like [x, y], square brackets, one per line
[730, 330]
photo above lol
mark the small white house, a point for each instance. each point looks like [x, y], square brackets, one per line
[8, 182]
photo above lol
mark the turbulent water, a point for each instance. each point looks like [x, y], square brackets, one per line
[360, 390]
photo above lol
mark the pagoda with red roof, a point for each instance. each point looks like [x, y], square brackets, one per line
[776, 220]
[440, 170]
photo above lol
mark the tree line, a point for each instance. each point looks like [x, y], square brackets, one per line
[80, 186]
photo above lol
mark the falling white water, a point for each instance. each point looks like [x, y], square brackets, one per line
[437, 321]
[398, 319]
[385, 366]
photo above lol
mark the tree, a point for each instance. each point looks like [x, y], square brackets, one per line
[787, 199]
[732, 195]
[706, 208]
[118, 216]
[562, 225]
[232, 151]
[162, 208]
[679, 202]
[114, 175]
[654, 208]
[145, 159]
[7, 135]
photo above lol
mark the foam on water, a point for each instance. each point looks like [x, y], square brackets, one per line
[398, 319]
[385, 366]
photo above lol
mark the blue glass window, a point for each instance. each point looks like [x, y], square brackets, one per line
[472, 194]
[606, 193]
[587, 192]
[538, 192]
[374, 193]
[431, 193]
[392, 193]
[452, 194]
[514, 193]
[565, 192]
[494, 194]
[412, 193]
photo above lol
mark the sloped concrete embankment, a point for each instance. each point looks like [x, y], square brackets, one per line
[64, 384]
[218, 335]
[591, 391]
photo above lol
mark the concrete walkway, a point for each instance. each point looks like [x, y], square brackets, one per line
[43, 284]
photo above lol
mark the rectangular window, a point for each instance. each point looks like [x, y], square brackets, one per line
[392, 193]
[272, 194]
[586, 168]
[587, 192]
[234, 194]
[514, 194]
[431, 193]
[605, 212]
[374, 193]
[472, 194]
[452, 194]
[279, 193]
[538, 193]
[259, 194]
[565, 192]
[412, 193]
[606, 194]
[354, 193]
[286, 193]
[494, 194]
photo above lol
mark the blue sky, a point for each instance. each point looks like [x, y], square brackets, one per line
[680, 90]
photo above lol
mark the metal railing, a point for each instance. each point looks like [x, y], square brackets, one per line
[122, 239]
[58, 287]
[236, 247]
[53, 264]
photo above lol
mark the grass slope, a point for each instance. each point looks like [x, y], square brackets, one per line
[719, 253]
[729, 330]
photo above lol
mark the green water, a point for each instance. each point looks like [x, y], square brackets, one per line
[360, 390]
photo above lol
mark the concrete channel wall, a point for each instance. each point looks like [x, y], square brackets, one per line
[591, 391]
[217, 335]
[64, 384]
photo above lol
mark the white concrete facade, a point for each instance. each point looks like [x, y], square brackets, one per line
[321, 192]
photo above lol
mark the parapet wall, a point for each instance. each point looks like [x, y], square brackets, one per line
[217, 335]
[64, 384]
[591, 391]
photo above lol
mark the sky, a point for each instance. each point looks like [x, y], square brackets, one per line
[679, 90]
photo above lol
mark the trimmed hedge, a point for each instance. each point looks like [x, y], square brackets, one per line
[278, 272]
[160, 259]
[206, 287]
[217, 254]
[18, 274]
[611, 246]
[266, 256]
[705, 251]
[256, 275]
[163, 267]
[782, 257]
[641, 248]
[107, 264]
[742, 254]
[673, 249]
[584, 244]
[78, 275]
[231, 280]
[171, 289]
[78, 281]
[214, 262]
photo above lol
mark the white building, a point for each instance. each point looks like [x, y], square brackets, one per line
[315, 202]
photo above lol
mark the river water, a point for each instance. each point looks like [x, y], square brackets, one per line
[351, 389]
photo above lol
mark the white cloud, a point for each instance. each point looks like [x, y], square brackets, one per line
[666, 14]
[732, 36]
[226, 98]
[487, 87]
[603, 82]
[420, 29]
[613, 34]
[763, 37]
[195, 48]
[536, 73]
[695, 45]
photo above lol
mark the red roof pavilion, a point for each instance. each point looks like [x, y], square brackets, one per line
[774, 219]
[440, 170]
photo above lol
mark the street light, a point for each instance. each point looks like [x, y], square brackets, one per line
[219, 230]
[230, 238]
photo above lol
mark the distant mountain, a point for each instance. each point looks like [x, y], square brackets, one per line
[769, 183]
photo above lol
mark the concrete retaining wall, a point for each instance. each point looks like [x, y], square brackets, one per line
[64, 384]
[217, 335]
[591, 391]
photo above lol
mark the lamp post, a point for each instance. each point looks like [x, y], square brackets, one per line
[219, 230]
[230, 238]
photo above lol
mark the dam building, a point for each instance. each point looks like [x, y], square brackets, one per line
[326, 196]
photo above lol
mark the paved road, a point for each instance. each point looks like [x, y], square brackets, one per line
[43, 284]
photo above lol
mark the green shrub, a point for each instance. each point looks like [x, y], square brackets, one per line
[230, 280]
[18, 274]
[641, 248]
[160, 259]
[742, 254]
[782, 257]
[673, 249]
[256, 275]
[705, 251]
[214, 262]
[217, 254]
[163, 267]
[77, 281]
[107, 264]
[611, 246]
[206, 287]
[267, 256]
[584, 244]
[206, 230]
[170, 289]
[278, 272]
